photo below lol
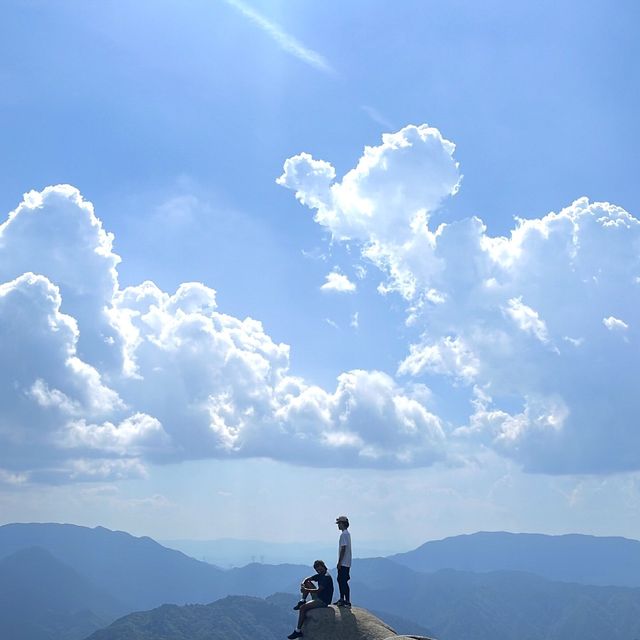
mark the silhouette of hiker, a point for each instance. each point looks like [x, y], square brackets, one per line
[320, 595]
[344, 562]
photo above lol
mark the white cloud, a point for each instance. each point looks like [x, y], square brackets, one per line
[448, 356]
[338, 283]
[97, 381]
[527, 319]
[136, 435]
[284, 40]
[368, 418]
[56, 233]
[520, 316]
[615, 324]
[369, 204]
[177, 379]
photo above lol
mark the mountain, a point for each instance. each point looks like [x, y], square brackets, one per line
[243, 618]
[229, 552]
[453, 605]
[232, 618]
[43, 599]
[459, 605]
[571, 558]
[141, 573]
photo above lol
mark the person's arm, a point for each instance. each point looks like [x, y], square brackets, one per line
[313, 578]
[319, 588]
[343, 550]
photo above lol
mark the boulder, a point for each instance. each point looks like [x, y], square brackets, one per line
[343, 623]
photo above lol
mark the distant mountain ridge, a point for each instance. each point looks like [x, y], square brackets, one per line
[455, 605]
[570, 558]
[497, 605]
[143, 573]
[494, 605]
[42, 598]
[229, 552]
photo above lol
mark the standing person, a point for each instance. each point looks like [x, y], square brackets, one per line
[320, 595]
[344, 562]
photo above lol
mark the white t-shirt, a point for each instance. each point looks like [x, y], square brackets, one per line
[345, 541]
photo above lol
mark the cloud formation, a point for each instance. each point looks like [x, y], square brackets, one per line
[540, 326]
[96, 381]
[284, 40]
[338, 282]
[538, 329]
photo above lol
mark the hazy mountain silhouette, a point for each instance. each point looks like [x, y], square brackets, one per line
[105, 566]
[572, 558]
[459, 605]
[453, 605]
[229, 552]
[41, 599]
[138, 571]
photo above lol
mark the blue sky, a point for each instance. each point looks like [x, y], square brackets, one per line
[490, 387]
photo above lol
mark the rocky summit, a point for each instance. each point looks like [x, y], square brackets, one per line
[342, 623]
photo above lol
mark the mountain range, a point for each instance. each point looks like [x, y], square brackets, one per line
[571, 558]
[231, 618]
[70, 581]
[41, 597]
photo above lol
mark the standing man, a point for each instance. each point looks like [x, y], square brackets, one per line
[344, 561]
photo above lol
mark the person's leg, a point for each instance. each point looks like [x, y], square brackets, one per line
[307, 584]
[343, 584]
[340, 585]
[347, 589]
[314, 604]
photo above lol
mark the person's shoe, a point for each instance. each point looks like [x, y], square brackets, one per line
[339, 603]
[300, 603]
[294, 635]
[347, 604]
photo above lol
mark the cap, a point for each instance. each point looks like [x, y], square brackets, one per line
[342, 519]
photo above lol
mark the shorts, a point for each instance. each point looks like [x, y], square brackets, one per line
[343, 573]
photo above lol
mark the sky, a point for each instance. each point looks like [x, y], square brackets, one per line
[267, 263]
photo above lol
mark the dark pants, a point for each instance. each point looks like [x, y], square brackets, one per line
[343, 583]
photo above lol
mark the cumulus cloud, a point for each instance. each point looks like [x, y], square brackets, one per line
[518, 319]
[57, 234]
[394, 187]
[615, 324]
[338, 283]
[97, 381]
[535, 331]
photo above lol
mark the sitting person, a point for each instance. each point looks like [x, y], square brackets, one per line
[320, 595]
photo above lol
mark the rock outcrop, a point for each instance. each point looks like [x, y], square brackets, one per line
[343, 623]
